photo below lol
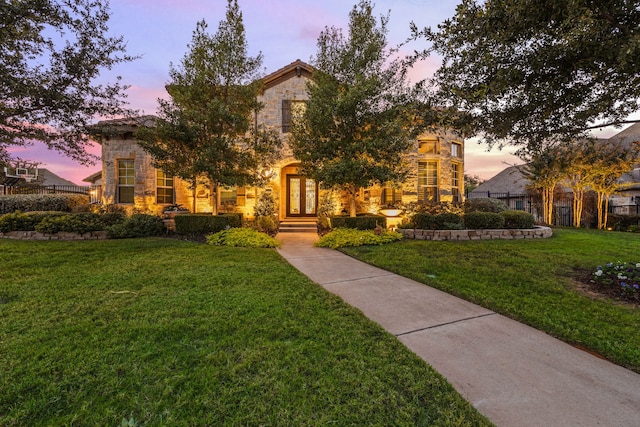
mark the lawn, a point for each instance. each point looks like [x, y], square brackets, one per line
[166, 332]
[533, 281]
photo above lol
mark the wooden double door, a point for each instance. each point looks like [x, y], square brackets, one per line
[302, 196]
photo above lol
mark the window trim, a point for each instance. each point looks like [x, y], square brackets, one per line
[459, 154]
[425, 141]
[120, 186]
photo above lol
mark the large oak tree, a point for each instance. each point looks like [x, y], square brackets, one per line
[533, 70]
[51, 54]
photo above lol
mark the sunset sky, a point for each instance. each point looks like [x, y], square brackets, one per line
[283, 30]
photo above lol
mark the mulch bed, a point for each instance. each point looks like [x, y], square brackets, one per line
[583, 284]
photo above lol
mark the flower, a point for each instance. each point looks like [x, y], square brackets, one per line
[599, 273]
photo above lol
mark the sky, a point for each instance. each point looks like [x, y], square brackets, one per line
[159, 31]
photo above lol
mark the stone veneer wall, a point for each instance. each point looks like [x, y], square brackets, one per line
[34, 235]
[530, 233]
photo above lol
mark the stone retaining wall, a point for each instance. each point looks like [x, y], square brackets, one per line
[34, 235]
[529, 233]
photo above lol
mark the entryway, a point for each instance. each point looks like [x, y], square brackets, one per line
[302, 197]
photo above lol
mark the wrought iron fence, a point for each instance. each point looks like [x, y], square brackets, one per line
[93, 191]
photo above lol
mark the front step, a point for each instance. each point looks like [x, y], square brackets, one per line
[298, 226]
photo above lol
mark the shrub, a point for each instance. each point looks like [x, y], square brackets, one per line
[27, 221]
[342, 237]
[485, 205]
[443, 221]
[266, 224]
[72, 223]
[623, 222]
[483, 220]
[199, 225]
[242, 237]
[266, 205]
[433, 208]
[326, 208]
[42, 202]
[138, 225]
[518, 219]
[361, 222]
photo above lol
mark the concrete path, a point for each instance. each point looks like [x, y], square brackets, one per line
[513, 374]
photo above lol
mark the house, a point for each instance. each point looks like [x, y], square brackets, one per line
[128, 177]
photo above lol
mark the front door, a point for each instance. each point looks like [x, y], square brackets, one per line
[302, 196]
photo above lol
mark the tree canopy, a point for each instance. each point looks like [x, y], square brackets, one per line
[534, 70]
[51, 53]
[356, 125]
[206, 128]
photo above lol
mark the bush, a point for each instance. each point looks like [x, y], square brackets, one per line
[622, 277]
[485, 205]
[362, 222]
[518, 219]
[72, 223]
[266, 205]
[266, 224]
[27, 221]
[138, 225]
[443, 221]
[623, 222]
[342, 237]
[242, 237]
[483, 220]
[199, 225]
[42, 202]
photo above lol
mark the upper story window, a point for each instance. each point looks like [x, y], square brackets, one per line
[428, 181]
[126, 181]
[291, 109]
[164, 188]
[429, 146]
[456, 149]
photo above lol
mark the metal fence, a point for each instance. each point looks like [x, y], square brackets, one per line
[562, 206]
[93, 191]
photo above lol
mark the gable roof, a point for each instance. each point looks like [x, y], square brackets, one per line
[297, 68]
[50, 178]
[630, 134]
[510, 180]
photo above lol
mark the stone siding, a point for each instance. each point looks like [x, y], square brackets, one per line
[34, 235]
[530, 233]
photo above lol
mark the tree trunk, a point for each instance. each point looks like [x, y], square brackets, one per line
[547, 205]
[214, 198]
[352, 200]
[578, 196]
[601, 215]
[194, 191]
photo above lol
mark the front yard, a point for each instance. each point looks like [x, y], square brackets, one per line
[167, 332]
[543, 283]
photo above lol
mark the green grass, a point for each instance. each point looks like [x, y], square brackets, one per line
[181, 334]
[531, 281]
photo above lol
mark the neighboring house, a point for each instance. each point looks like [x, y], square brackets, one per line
[128, 177]
[510, 184]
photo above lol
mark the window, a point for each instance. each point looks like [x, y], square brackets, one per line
[428, 181]
[428, 146]
[390, 195]
[456, 150]
[164, 188]
[291, 110]
[125, 181]
[456, 181]
[228, 195]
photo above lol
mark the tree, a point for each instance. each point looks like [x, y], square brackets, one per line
[544, 168]
[356, 125]
[471, 182]
[530, 71]
[51, 53]
[207, 127]
[613, 160]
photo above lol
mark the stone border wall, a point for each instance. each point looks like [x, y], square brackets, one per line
[34, 235]
[529, 233]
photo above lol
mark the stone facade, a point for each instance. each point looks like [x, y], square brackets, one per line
[287, 85]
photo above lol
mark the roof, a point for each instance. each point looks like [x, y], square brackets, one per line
[46, 177]
[630, 134]
[297, 68]
[93, 177]
[510, 180]
[121, 125]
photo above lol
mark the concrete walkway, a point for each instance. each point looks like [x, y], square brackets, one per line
[513, 374]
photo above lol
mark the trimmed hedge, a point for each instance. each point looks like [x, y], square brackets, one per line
[343, 237]
[361, 222]
[623, 222]
[242, 237]
[27, 221]
[138, 225]
[74, 223]
[195, 224]
[42, 202]
[484, 204]
[483, 220]
[443, 221]
[518, 219]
